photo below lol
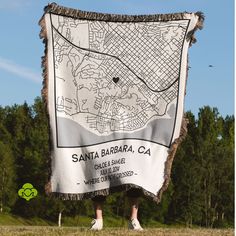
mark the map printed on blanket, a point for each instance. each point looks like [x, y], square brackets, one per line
[114, 88]
[124, 77]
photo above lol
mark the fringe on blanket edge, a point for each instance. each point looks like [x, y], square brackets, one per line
[76, 13]
[109, 17]
[44, 93]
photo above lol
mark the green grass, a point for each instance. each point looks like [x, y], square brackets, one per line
[79, 231]
[8, 219]
[78, 221]
[11, 225]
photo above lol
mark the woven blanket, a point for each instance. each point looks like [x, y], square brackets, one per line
[114, 88]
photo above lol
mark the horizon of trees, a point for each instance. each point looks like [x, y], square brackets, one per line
[201, 191]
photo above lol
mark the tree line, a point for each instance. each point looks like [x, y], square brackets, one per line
[201, 191]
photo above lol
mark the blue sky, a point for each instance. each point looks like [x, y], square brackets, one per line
[21, 49]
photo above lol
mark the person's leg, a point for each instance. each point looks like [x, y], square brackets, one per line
[97, 223]
[98, 205]
[134, 195]
[133, 201]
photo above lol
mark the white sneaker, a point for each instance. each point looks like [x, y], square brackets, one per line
[135, 225]
[96, 225]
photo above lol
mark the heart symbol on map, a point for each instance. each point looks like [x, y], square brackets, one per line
[116, 79]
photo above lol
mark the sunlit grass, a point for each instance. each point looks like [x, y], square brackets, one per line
[79, 231]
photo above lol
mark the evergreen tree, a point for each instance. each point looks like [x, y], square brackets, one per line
[209, 130]
[7, 178]
[7, 167]
[186, 201]
[224, 172]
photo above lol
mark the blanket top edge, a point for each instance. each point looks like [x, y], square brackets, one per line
[89, 15]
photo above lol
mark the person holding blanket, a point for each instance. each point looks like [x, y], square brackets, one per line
[114, 88]
[133, 194]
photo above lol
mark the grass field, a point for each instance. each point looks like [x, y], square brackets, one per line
[12, 225]
[79, 231]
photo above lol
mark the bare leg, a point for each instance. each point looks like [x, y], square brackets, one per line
[134, 208]
[98, 209]
[97, 223]
[134, 223]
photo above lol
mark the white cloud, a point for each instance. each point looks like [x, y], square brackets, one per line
[19, 70]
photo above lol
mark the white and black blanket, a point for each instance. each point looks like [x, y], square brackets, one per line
[114, 87]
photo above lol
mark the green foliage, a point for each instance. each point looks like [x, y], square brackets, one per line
[7, 177]
[201, 191]
[203, 172]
